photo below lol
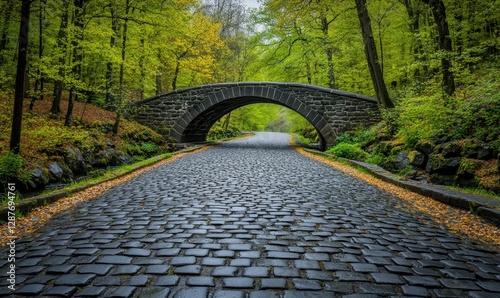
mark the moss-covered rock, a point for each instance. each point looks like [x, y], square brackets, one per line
[425, 147]
[417, 158]
[439, 164]
[388, 147]
[76, 162]
[443, 179]
[39, 178]
[468, 166]
[450, 149]
[402, 161]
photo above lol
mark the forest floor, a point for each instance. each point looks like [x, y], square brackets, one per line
[44, 135]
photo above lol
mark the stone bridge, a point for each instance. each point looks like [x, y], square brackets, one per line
[186, 115]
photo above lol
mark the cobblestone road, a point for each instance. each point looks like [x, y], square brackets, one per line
[250, 218]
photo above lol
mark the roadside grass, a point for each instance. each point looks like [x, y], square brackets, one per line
[475, 191]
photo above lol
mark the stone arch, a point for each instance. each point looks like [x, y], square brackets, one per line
[186, 115]
[193, 126]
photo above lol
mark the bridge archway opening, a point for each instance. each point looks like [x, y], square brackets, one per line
[197, 129]
[263, 117]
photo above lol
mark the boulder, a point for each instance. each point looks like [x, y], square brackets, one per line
[438, 164]
[451, 149]
[56, 172]
[125, 159]
[113, 157]
[484, 152]
[417, 159]
[39, 178]
[401, 161]
[474, 148]
[425, 147]
[470, 147]
[387, 147]
[109, 144]
[67, 173]
[99, 160]
[450, 165]
[76, 162]
[443, 179]
[468, 166]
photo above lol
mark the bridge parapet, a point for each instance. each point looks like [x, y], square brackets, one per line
[186, 115]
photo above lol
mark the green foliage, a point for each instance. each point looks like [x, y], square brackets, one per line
[149, 149]
[343, 138]
[404, 172]
[473, 114]
[10, 165]
[376, 159]
[349, 151]
[218, 133]
[422, 118]
[363, 136]
[142, 151]
[53, 137]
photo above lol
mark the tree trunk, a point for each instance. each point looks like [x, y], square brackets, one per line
[158, 84]
[372, 56]
[71, 103]
[38, 94]
[63, 47]
[77, 58]
[414, 16]
[439, 13]
[178, 69]
[17, 117]
[5, 30]
[176, 74]
[329, 54]
[124, 46]
[40, 49]
[110, 100]
[143, 72]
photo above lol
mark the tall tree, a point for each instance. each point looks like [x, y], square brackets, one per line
[372, 57]
[233, 19]
[439, 13]
[76, 43]
[122, 70]
[7, 8]
[110, 100]
[62, 47]
[15, 136]
[311, 23]
[39, 82]
[414, 12]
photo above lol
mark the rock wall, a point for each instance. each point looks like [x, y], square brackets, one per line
[466, 163]
[73, 164]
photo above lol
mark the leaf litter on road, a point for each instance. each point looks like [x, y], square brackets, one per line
[459, 222]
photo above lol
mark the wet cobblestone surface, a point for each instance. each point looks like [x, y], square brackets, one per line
[250, 218]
